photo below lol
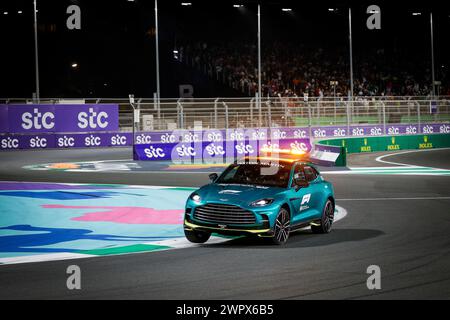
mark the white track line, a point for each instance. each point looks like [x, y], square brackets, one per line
[379, 159]
[44, 257]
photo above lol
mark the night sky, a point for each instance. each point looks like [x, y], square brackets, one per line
[115, 49]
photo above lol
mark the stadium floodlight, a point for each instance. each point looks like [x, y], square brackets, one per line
[286, 9]
[417, 13]
[186, 4]
[238, 5]
[331, 9]
[19, 12]
[74, 65]
[5, 13]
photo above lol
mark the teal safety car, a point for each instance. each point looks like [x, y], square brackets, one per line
[262, 196]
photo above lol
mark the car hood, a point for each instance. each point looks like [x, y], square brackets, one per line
[236, 194]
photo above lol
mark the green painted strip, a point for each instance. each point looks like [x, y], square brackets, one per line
[183, 188]
[124, 249]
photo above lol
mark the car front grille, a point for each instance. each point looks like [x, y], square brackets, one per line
[224, 214]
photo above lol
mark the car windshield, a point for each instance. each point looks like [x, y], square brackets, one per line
[261, 174]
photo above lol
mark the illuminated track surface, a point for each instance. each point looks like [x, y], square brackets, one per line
[399, 222]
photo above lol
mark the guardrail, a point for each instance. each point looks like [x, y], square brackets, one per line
[271, 112]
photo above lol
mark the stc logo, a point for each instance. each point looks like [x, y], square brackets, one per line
[411, 130]
[393, 130]
[38, 120]
[214, 137]
[258, 135]
[38, 142]
[339, 132]
[92, 120]
[244, 149]
[444, 129]
[189, 137]
[184, 151]
[143, 139]
[376, 131]
[92, 141]
[65, 141]
[299, 146]
[166, 138]
[319, 133]
[154, 153]
[118, 140]
[9, 143]
[214, 150]
[300, 134]
[427, 129]
[278, 134]
[236, 136]
[357, 132]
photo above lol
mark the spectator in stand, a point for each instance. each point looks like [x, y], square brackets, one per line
[289, 69]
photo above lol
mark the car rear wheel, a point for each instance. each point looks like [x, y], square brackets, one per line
[326, 220]
[197, 236]
[282, 227]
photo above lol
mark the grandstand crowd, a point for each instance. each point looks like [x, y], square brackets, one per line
[294, 70]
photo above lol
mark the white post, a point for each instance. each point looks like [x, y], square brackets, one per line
[36, 55]
[158, 92]
[351, 51]
[432, 56]
[259, 57]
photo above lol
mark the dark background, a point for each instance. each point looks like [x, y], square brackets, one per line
[115, 49]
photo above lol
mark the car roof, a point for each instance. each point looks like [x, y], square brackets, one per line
[276, 159]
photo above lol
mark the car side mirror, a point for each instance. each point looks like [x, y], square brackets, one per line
[213, 177]
[300, 183]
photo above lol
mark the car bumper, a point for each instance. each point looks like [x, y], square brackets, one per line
[227, 230]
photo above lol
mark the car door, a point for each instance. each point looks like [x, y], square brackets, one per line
[314, 200]
[305, 200]
[299, 198]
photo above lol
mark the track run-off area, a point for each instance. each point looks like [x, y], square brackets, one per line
[123, 217]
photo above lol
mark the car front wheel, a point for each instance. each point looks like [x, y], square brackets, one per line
[197, 236]
[282, 227]
[326, 220]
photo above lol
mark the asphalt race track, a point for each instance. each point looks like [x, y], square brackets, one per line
[399, 222]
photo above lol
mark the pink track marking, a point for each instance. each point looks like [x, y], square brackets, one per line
[127, 215]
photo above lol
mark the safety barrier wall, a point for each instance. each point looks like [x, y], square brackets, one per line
[385, 143]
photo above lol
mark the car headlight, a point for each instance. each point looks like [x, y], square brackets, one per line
[261, 202]
[195, 197]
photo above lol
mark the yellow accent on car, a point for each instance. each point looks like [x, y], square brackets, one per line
[193, 226]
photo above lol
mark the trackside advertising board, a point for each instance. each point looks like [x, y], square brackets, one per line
[213, 151]
[42, 118]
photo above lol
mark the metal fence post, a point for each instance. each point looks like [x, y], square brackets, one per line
[269, 113]
[259, 110]
[226, 114]
[251, 112]
[418, 117]
[180, 114]
[309, 119]
[348, 117]
[215, 113]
